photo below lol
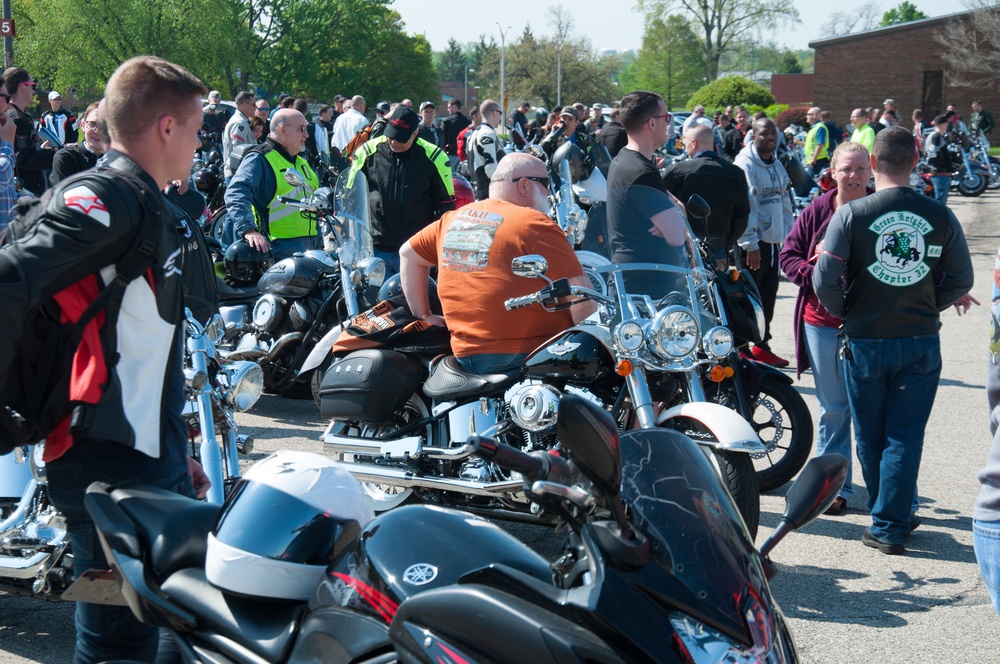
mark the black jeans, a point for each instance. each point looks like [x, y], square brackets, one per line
[766, 278]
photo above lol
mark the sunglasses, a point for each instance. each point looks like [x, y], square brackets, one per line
[534, 178]
[263, 108]
[31, 83]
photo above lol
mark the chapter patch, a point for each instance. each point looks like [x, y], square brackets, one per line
[83, 198]
[900, 248]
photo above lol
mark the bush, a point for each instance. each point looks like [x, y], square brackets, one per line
[733, 90]
[795, 115]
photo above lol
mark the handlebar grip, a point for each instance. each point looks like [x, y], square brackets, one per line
[509, 458]
[519, 302]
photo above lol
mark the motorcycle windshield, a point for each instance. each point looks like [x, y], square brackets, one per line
[695, 532]
[353, 223]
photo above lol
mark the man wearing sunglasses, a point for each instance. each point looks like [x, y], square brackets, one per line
[472, 248]
[31, 158]
[485, 151]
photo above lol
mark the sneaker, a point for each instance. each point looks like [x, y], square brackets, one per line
[887, 548]
[764, 355]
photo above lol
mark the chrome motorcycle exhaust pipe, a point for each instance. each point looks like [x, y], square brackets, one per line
[25, 567]
[405, 478]
[409, 447]
[279, 345]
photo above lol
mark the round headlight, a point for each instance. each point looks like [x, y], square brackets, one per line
[718, 342]
[245, 382]
[628, 335]
[374, 270]
[674, 333]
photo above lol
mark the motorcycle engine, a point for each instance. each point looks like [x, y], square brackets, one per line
[268, 313]
[534, 407]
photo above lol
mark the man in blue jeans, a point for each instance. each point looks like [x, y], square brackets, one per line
[986, 513]
[890, 263]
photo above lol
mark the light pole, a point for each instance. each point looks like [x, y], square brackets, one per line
[503, 94]
[467, 83]
[559, 75]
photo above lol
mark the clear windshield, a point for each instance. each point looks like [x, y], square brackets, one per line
[352, 222]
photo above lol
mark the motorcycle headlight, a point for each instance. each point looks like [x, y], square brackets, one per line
[673, 333]
[374, 271]
[718, 342]
[705, 645]
[629, 335]
[244, 382]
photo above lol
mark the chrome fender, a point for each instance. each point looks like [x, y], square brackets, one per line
[713, 425]
[321, 350]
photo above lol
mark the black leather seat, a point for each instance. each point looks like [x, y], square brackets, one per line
[448, 381]
[237, 293]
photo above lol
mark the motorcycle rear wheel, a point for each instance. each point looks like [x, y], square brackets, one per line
[783, 421]
[973, 185]
[741, 481]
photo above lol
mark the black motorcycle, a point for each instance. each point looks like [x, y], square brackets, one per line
[298, 300]
[657, 567]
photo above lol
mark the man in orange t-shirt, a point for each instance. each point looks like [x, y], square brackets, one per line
[473, 248]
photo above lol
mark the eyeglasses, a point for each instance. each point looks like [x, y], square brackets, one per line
[534, 178]
[657, 117]
[90, 125]
[853, 171]
[264, 108]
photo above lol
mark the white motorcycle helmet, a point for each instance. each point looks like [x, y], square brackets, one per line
[283, 524]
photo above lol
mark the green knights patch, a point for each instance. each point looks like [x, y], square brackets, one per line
[900, 250]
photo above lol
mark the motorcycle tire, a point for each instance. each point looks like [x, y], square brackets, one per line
[973, 185]
[782, 420]
[738, 474]
[994, 174]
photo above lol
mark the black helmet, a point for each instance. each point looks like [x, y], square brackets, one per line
[393, 287]
[578, 168]
[208, 178]
[244, 264]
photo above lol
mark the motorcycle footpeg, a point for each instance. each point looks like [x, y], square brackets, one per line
[244, 444]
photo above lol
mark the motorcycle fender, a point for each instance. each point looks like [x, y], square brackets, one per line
[704, 421]
[321, 351]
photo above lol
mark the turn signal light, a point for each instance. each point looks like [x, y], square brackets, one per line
[623, 368]
[717, 374]
[729, 372]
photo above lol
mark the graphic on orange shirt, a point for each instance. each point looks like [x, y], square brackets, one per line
[466, 245]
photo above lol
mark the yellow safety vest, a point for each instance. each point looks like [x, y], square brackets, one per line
[811, 142]
[285, 221]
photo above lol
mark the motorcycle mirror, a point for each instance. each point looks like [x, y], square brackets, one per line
[530, 267]
[813, 492]
[698, 208]
[591, 435]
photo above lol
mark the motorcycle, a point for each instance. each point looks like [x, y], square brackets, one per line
[973, 176]
[399, 439]
[658, 566]
[35, 557]
[980, 152]
[305, 296]
[580, 194]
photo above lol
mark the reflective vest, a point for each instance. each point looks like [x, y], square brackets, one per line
[285, 221]
[810, 148]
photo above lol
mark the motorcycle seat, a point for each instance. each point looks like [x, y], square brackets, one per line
[267, 628]
[237, 293]
[173, 528]
[448, 381]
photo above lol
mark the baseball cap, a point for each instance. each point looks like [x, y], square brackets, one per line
[889, 101]
[425, 104]
[569, 111]
[402, 123]
[941, 119]
[54, 95]
[597, 104]
[340, 98]
[382, 107]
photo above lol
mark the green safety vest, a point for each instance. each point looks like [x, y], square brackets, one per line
[285, 221]
[811, 143]
[865, 135]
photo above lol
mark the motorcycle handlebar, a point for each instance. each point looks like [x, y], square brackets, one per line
[524, 301]
[533, 468]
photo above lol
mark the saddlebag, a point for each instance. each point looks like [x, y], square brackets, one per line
[369, 385]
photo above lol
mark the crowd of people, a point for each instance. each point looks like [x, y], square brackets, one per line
[875, 266]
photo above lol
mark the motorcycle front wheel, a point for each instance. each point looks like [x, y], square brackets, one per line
[739, 477]
[972, 185]
[783, 421]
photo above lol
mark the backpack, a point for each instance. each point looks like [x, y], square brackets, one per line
[34, 395]
[359, 139]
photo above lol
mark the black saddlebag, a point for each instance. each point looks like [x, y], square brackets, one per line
[369, 385]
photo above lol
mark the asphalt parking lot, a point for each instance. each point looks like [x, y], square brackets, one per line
[846, 602]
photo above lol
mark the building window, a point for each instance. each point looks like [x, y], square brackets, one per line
[932, 101]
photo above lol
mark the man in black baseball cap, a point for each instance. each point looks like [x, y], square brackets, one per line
[409, 180]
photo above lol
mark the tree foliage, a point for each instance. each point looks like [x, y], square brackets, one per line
[303, 47]
[971, 46]
[731, 90]
[452, 62]
[670, 61]
[724, 24]
[860, 19]
[904, 13]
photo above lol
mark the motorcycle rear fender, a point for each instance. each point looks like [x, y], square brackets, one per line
[321, 351]
[713, 425]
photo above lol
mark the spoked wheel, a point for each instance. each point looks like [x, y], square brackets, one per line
[973, 184]
[738, 474]
[387, 496]
[784, 424]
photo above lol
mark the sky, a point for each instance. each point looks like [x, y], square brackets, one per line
[439, 20]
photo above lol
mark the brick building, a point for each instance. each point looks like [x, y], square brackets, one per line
[902, 62]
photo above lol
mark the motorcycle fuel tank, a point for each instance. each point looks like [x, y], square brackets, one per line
[292, 277]
[575, 356]
[416, 548]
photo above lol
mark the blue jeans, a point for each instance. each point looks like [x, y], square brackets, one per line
[942, 185]
[833, 435]
[986, 540]
[488, 363]
[391, 259]
[891, 384]
[103, 632]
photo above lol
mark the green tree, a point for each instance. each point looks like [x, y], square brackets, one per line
[452, 62]
[904, 13]
[731, 90]
[669, 61]
[724, 24]
[788, 64]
